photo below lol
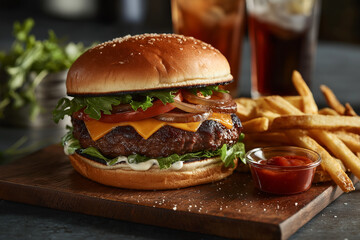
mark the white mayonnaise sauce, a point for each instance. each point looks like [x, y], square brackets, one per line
[122, 162]
[67, 145]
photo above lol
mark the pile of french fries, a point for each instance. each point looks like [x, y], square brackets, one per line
[333, 132]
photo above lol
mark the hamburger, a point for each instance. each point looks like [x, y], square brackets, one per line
[148, 112]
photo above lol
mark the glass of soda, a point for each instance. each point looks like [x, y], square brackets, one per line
[283, 38]
[218, 22]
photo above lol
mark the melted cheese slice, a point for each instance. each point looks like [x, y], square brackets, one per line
[148, 127]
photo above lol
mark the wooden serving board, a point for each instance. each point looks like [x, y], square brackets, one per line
[229, 208]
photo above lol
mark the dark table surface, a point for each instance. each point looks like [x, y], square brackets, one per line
[337, 66]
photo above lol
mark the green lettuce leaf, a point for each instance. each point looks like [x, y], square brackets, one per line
[95, 106]
[91, 151]
[142, 104]
[208, 90]
[164, 96]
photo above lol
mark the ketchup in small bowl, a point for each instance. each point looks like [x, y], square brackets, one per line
[282, 170]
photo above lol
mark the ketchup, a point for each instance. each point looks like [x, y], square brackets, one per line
[287, 161]
[284, 174]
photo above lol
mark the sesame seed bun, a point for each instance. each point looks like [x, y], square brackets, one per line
[147, 62]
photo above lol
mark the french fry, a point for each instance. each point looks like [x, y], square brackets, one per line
[264, 110]
[245, 108]
[269, 115]
[296, 101]
[317, 122]
[276, 121]
[328, 111]
[339, 149]
[331, 99]
[328, 163]
[322, 176]
[281, 105]
[341, 164]
[351, 140]
[310, 106]
[260, 124]
[349, 111]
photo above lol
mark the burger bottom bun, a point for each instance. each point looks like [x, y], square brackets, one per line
[154, 178]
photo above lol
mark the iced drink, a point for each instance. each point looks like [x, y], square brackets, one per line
[283, 39]
[218, 22]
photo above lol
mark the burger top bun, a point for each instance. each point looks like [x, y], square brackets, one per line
[146, 62]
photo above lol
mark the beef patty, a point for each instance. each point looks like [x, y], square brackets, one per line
[124, 140]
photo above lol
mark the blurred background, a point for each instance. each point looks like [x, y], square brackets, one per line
[99, 20]
[86, 20]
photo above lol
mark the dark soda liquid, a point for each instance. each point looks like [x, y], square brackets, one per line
[276, 53]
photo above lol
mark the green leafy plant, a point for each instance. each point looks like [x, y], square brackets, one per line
[29, 56]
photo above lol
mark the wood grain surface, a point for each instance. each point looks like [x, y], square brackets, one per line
[230, 208]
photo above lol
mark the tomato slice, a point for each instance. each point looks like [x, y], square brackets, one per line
[156, 109]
